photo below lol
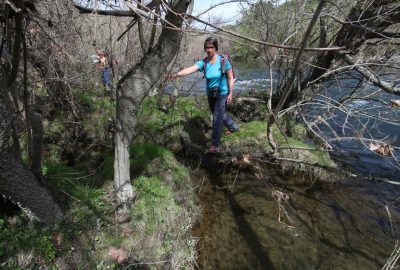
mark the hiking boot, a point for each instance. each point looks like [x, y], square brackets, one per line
[228, 132]
[213, 149]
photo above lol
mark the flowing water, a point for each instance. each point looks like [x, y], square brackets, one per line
[262, 220]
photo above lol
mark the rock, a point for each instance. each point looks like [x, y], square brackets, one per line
[248, 109]
[176, 147]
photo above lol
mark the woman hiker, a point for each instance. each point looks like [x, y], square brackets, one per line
[104, 66]
[219, 85]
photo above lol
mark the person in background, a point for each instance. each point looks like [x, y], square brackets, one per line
[219, 86]
[105, 68]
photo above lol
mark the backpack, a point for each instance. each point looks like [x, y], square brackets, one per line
[222, 62]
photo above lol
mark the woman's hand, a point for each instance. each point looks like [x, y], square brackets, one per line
[229, 99]
[172, 76]
[183, 72]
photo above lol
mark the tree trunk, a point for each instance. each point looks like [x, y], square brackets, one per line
[141, 30]
[36, 125]
[23, 188]
[131, 90]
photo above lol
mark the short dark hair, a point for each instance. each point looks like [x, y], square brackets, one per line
[211, 40]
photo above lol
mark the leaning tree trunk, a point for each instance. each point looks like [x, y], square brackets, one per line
[368, 19]
[23, 187]
[18, 183]
[132, 89]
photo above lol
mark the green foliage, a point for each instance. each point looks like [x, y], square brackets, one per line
[41, 91]
[78, 185]
[162, 128]
[86, 126]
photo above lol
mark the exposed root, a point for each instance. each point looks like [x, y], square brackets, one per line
[282, 198]
[394, 257]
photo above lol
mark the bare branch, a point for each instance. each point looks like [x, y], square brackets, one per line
[116, 13]
[262, 42]
[299, 55]
[376, 80]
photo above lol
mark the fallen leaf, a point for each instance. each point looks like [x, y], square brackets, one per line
[246, 159]
[119, 255]
[382, 149]
[395, 102]
[58, 239]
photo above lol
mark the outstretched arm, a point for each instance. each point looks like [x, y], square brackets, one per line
[184, 72]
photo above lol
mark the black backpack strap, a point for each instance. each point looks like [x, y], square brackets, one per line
[223, 67]
[204, 66]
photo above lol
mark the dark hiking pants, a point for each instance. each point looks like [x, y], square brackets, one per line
[220, 117]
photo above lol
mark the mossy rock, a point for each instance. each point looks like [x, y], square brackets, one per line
[252, 139]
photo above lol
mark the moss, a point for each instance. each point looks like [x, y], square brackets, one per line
[163, 220]
[252, 138]
[143, 154]
[165, 128]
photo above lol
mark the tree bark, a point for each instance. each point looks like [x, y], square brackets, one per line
[132, 89]
[23, 188]
[141, 30]
[36, 125]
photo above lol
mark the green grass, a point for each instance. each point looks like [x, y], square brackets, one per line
[17, 237]
[253, 135]
[107, 170]
[155, 198]
[143, 154]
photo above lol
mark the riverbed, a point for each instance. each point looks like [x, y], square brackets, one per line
[251, 221]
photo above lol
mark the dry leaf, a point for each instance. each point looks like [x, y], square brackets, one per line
[58, 239]
[395, 102]
[382, 149]
[119, 255]
[246, 159]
